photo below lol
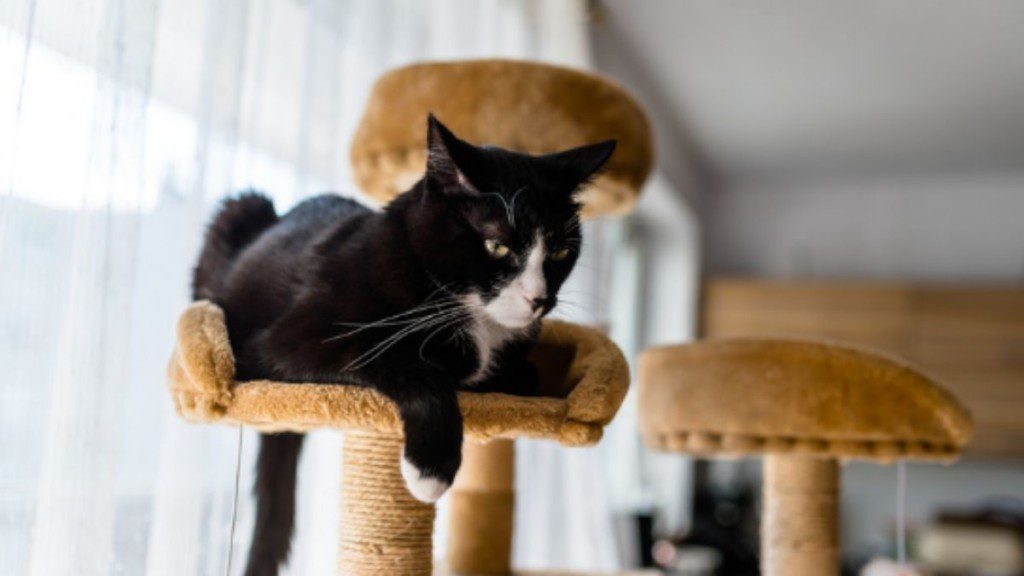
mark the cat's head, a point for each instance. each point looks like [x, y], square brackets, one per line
[500, 227]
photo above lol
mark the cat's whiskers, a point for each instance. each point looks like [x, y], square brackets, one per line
[510, 206]
[451, 322]
[360, 326]
[439, 288]
[570, 303]
[399, 319]
[415, 309]
[512, 210]
[412, 326]
[381, 347]
[426, 303]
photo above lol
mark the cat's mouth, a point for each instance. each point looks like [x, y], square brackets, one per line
[504, 310]
[512, 310]
[515, 321]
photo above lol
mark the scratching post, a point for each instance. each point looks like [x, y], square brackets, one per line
[482, 502]
[800, 527]
[804, 406]
[384, 530]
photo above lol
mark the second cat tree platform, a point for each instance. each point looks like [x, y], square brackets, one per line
[804, 406]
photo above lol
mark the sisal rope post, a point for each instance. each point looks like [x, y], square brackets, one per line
[482, 503]
[800, 524]
[384, 530]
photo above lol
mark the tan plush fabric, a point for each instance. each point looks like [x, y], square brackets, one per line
[749, 396]
[578, 364]
[524, 106]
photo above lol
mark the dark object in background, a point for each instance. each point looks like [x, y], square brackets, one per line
[988, 540]
[723, 537]
[645, 536]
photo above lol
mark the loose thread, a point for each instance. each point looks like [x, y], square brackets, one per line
[901, 512]
[234, 501]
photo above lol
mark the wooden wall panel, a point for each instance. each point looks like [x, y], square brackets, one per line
[970, 338]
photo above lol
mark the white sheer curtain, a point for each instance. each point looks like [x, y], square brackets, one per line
[121, 123]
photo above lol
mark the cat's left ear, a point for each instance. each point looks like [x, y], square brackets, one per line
[445, 153]
[584, 162]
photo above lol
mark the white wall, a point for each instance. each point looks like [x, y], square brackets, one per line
[933, 228]
[826, 86]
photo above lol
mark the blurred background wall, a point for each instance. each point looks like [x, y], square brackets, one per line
[845, 142]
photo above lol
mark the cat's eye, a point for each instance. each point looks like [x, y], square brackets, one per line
[496, 249]
[559, 254]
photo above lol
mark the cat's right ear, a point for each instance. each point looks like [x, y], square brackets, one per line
[444, 154]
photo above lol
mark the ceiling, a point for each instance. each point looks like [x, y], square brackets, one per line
[794, 87]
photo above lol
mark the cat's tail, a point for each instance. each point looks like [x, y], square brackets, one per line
[275, 502]
[239, 221]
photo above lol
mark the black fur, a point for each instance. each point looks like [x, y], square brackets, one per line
[305, 297]
[239, 221]
[275, 502]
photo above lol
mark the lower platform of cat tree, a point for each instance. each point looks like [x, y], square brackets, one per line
[583, 380]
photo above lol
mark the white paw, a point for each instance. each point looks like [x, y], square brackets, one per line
[423, 488]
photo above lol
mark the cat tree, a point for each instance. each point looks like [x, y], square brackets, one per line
[521, 106]
[803, 406]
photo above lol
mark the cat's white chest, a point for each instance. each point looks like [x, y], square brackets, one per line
[489, 337]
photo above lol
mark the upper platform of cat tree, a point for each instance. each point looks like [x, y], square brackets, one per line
[738, 397]
[523, 106]
[584, 373]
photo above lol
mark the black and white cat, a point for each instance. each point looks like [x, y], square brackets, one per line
[442, 290]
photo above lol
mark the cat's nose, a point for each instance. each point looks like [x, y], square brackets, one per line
[538, 303]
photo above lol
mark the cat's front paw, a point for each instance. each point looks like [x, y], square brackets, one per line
[423, 486]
